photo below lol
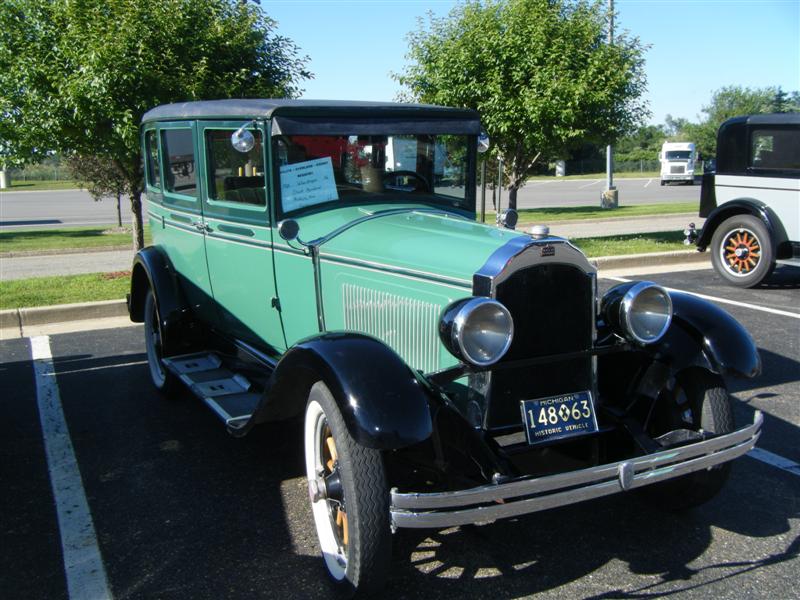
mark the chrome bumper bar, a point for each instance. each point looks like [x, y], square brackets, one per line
[526, 495]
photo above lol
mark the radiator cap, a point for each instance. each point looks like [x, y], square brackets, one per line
[540, 231]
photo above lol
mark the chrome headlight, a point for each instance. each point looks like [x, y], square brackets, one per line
[641, 312]
[477, 330]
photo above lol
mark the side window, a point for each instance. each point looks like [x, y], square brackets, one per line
[775, 149]
[180, 175]
[151, 158]
[235, 176]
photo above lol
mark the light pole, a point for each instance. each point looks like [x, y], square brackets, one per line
[610, 197]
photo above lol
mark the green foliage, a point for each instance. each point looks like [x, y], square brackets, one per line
[77, 75]
[539, 71]
[733, 101]
[642, 144]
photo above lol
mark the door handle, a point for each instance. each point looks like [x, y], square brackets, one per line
[201, 227]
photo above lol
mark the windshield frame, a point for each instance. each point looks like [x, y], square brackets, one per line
[462, 207]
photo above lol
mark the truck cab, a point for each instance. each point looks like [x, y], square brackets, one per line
[678, 161]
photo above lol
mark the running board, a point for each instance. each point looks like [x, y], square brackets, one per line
[228, 394]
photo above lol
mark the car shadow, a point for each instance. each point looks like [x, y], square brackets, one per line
[184, 510]
[542, 552]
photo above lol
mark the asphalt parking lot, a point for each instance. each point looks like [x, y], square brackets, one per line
[182, 510]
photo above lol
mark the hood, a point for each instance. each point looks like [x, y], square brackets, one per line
[435, 243]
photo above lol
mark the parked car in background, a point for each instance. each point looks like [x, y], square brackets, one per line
[678, 162]
[321, 261]
[752, 202]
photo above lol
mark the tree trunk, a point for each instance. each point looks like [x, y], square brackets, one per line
[136, 213]
[119, 209]
[512, 196]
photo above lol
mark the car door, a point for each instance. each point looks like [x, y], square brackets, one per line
[182, 215]
[238, 235]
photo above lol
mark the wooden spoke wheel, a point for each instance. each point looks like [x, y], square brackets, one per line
[349, 498]
[742, 251]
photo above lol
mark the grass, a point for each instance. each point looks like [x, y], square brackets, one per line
[44, 291]
[531, 216]
[19, 240]
[33, 186]
[634, 243]
[65, 289]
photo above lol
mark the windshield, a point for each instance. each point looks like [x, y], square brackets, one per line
[679, 154]
[316, 170]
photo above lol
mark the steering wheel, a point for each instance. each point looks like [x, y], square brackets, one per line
[421, 185]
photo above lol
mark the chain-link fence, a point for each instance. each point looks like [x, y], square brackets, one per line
[40, 173]
[598, 165]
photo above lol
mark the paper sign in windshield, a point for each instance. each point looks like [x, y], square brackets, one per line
[307, 183]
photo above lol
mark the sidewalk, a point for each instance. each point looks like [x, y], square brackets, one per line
[62, 263]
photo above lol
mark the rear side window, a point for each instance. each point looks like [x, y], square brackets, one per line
[775, 149]
[235, 176]
[181, 174]
[151, 149]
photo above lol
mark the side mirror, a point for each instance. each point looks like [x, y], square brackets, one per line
[242, 140]
[483, 142]
[288, 229]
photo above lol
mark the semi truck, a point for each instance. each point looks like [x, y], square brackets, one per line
[677, 162]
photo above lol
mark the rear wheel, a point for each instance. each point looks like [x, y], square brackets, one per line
[349, 498]
[162, 379]
[696, 400]
[741, 251]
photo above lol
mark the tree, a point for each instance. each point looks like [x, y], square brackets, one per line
[539, 71]
[100, 177]
[732, 101]
[77, 75]
[642, 144]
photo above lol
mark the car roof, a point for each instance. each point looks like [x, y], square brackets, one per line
[766, 119]
[242, 108]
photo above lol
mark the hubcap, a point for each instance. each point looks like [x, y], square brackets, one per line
[741, 252]
[333, 488]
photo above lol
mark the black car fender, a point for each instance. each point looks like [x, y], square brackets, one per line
[152, 270]
[704, 335]
[701, 335]
[383, 402]
[741, 206]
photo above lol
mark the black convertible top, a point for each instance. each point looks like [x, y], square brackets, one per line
[266, 108]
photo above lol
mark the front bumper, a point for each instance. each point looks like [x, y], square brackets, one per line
[677, 177]
[526, 494]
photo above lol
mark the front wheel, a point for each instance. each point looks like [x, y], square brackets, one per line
[162, 379]
[696, 400]
[349, 498]
[741, 251]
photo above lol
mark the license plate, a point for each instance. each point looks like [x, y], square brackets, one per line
[558, 417]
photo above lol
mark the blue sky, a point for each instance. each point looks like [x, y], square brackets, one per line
[696, 46]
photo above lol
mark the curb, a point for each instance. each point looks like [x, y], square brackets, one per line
[653, 259]
[60, 251]
[17, 318]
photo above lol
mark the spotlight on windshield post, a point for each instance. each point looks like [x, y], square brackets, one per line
[483, 142]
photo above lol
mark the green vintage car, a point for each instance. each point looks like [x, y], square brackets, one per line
[321, 261]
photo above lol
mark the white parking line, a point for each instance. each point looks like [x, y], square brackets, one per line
[773, 311]
[649, 181]
[595, 182]
[775, 460]
[83, 565]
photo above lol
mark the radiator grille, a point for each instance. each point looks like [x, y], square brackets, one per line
[406, 325]
[677, 169]
[553, 310]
